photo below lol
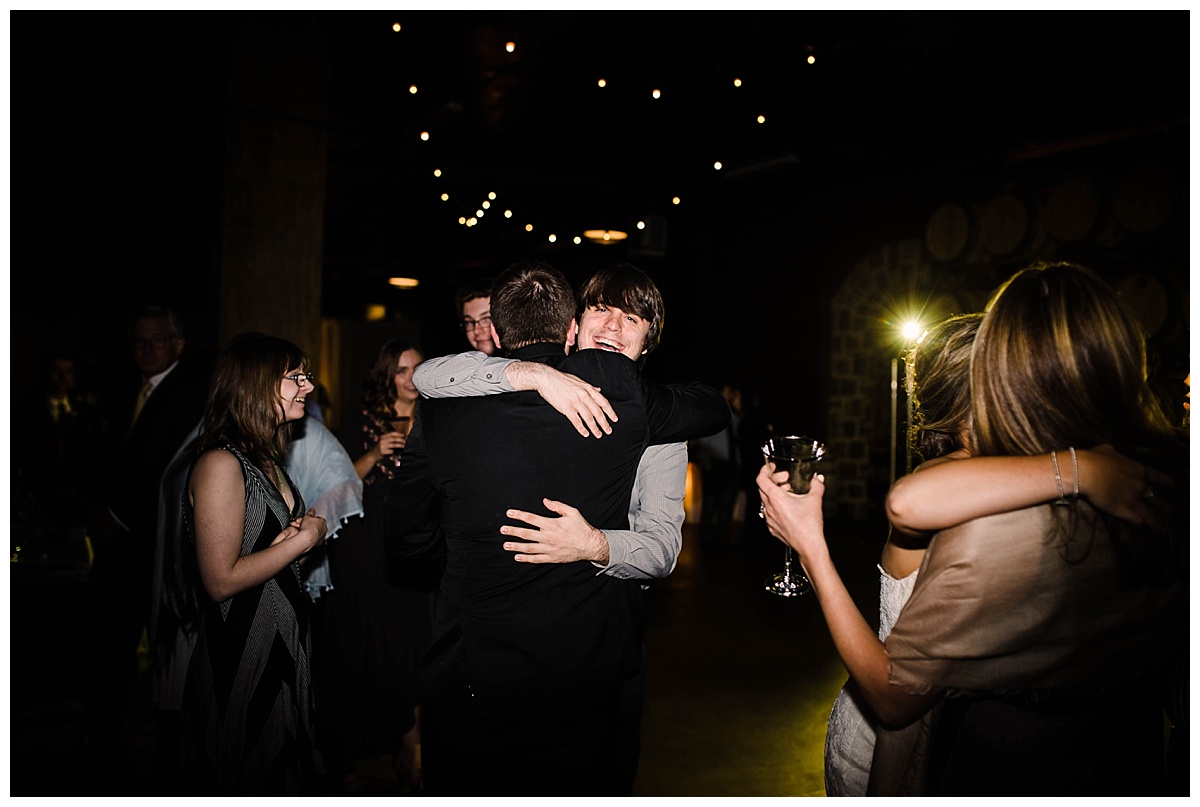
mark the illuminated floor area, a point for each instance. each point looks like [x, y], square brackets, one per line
[740, 681]
[739, 687]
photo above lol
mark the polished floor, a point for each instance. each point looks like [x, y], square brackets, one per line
[739, 687]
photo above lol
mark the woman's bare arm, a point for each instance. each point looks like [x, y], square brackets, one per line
[218, 496]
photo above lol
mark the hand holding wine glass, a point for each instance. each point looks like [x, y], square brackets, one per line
[799, 457]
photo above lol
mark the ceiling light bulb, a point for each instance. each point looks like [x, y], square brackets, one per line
[601, 83]
[510, 46]
[656, 94]
[404, 282]
[675, 200]
[717, 165]
[437, 172]
[396, 26]
[424, 135]
[479, 213]
[492, 195]
[553, 238]
[412, 89]
[737, 82]
[462, 219]
[445, 197]
[641, 225]
[508, 214]
[486, 205]
[528, 228]
[812, 59]
[578, 240]
[761, 119]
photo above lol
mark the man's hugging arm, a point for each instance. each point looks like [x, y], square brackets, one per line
[678, 412]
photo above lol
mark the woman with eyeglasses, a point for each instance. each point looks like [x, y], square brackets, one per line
[376, 621]
[248, 707]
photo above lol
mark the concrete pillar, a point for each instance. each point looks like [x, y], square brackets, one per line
[277, 138]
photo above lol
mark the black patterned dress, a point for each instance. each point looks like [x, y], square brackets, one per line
[248, 707]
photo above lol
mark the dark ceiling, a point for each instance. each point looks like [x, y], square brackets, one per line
[118, 128]
[891, 96]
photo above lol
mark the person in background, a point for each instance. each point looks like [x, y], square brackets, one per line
[1055, 660]
[164, 405]
[377, 620]
[57, 432]
[475, 313]
[248, 709]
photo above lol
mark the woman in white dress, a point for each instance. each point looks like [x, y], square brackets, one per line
[940, 367]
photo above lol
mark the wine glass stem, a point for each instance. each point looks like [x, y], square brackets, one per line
[788, 554]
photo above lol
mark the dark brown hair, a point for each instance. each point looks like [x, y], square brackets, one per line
[531, 302]
[379, 387]
[244, 399]
[624, 286]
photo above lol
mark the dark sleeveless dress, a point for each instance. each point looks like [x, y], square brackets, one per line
[248, 707]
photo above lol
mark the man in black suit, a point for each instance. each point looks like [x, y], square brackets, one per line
[159, 414]
[522, 685]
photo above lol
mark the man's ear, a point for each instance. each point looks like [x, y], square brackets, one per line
[571, 333]
[495, 336]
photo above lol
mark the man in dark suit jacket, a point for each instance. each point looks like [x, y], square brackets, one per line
[522, 685]
[145, 436]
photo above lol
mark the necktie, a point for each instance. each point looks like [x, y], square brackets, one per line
[141, 401]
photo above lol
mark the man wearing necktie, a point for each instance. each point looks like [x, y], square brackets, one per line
[169, 402]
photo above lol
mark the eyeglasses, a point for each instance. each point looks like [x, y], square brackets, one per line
[153, 341]
[299, 379]
[483, 322]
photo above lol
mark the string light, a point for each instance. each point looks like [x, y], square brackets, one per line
[811, 59]
[602, 83]
[396, 27]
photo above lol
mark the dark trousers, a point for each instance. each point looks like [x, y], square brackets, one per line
[522, 743]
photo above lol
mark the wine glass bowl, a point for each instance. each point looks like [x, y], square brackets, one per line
[799, 457]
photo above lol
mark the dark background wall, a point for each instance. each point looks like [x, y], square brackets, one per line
[876, 179]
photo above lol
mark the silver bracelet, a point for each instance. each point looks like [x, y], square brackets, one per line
[1062, 497]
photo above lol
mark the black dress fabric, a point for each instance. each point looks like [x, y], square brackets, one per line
[248, 706]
